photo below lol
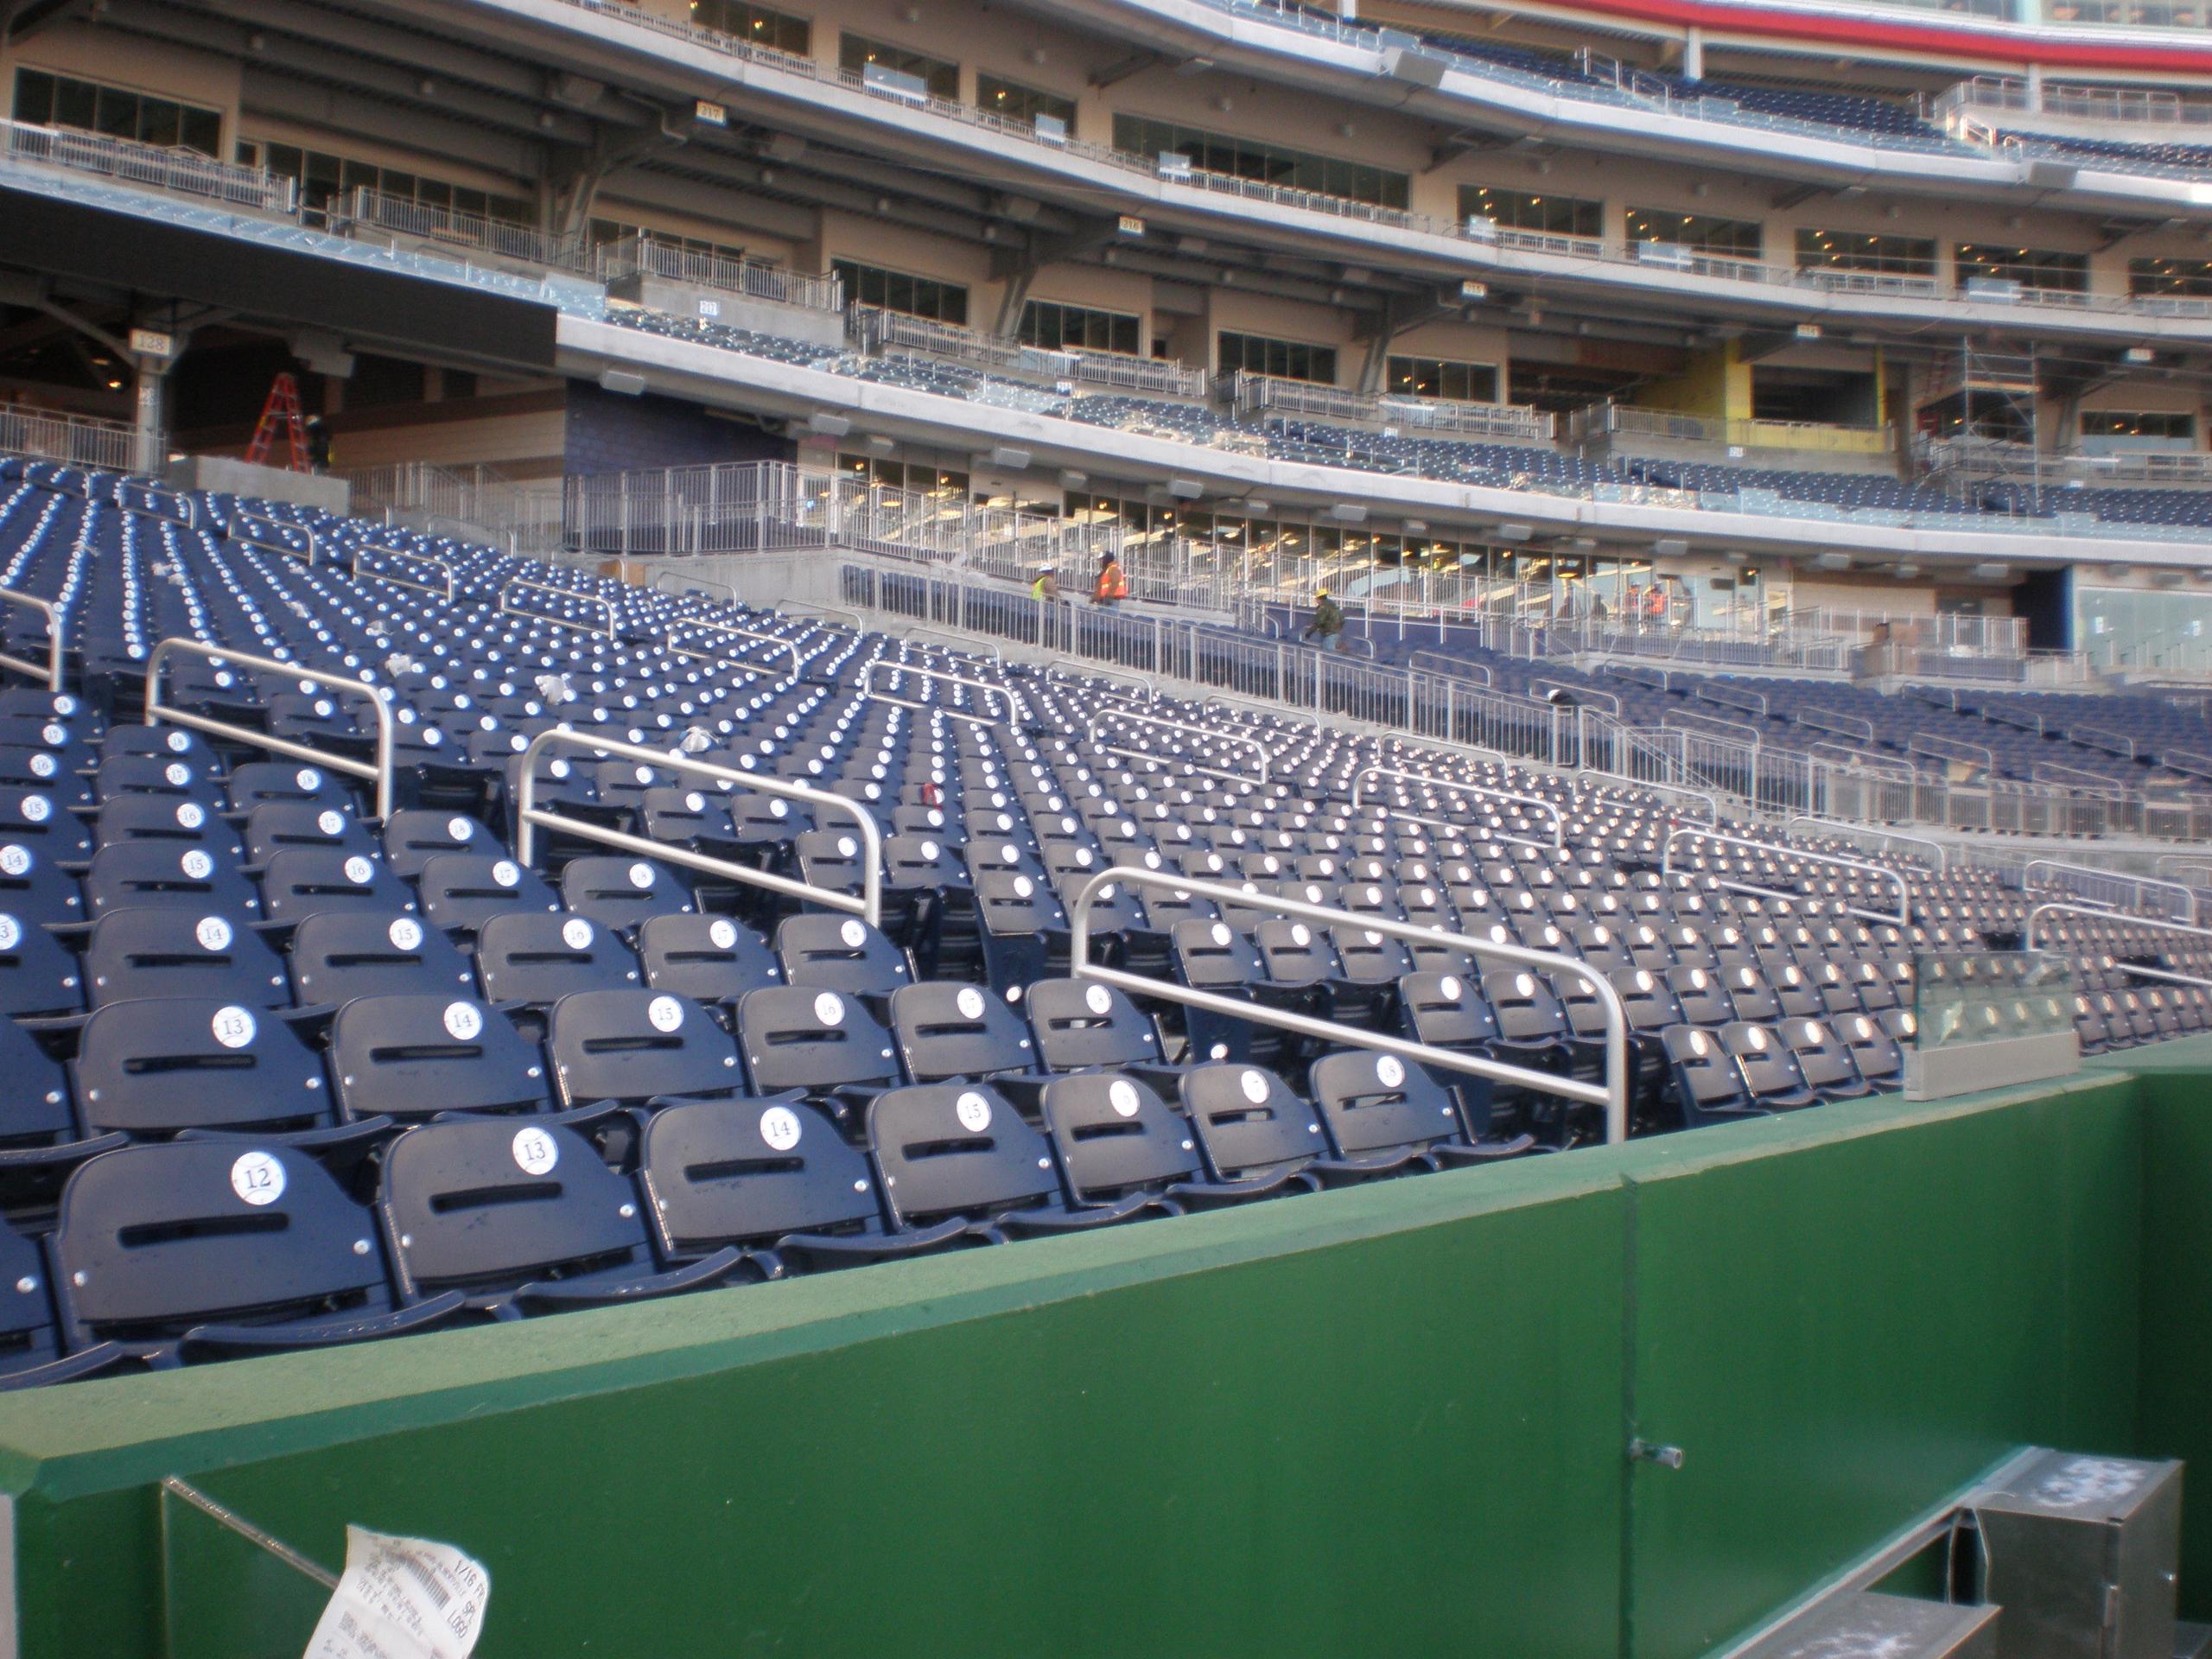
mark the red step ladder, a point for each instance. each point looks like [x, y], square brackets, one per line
[282, 411]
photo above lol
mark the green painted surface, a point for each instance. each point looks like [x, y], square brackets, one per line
[2175, 1400]
[1390, 1420]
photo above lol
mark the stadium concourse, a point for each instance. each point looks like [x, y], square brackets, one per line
[399, 934]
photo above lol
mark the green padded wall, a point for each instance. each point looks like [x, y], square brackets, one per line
[1388, 1420]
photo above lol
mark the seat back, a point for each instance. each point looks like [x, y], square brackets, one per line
[1081, 1024]
[1769, 1068]
[460, 892]
[154, 874]
[631, 1045]
[150, 1241]
[154, 1066]
[623, 893]
[1446, 1011]
[306, 881]
[486, 1204]
[1114, 1135]
[840, 953]
[706, 958]
[1822, 1059]
[951, 1148]
[1374, 1103]
[1248, 1121]
[144, 953]
[946, 1030]
[731, 1172]
[529, 957]
[408, 1057]
[794, 1037]
[341, 955]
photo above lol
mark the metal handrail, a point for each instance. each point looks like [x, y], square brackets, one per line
[668, 641]
[146, 507]
[868, 690]
[354, 568]
[1942, 854]
[2055, 907]
[960, 641]
[804, 607]
[2181, 863]
[1621, 780]
[529, 817]
[614, 616]
[1903, 918]
[700, 584]
[1613, 1094]
[277, 529]
[52, 672]
[1559, 823]
[1140, 686]
[1231, 702]
[1090, 731]
[2119, 877]
[379, 772]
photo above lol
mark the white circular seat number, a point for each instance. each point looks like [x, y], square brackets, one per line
[11, 932]
[1098, 999]
[177, 774]
[664, 1014]
[535, 1151]
[37, 810]
[233, 1026]
[575, 933]
[855, 934]
[15, 860]
[721, 932]
[641, 876]
[1121, 1096]
[331, 824]
[506, 873]
[405, 933]
[969, 1002]
[463, 1021]
[1390, 1071]
[830, 1008]
[973, 1113]
[214, 933]
[1256, 1087]
[196, 865]
[359, 871]
[779, 1128]
[257, 1178]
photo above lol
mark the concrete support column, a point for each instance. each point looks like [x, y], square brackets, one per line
[1694, 54]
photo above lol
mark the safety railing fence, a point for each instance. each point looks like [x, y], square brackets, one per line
[74, 440]
[1610, 1094]
[1935, 853]
[642, 254]
[402, 568]
[1257, 395]
[2203, 936]
[1853, 869]
[1521, 804]
[2174, 900]
[157, 712]
[1594, 420]
[868, 847]
[1212, 736]
[50, 670]
[365, 209]
[1009, 700]
[508, 606]
[185, 172]
[695, 627]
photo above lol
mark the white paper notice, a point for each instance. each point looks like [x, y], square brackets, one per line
[401, 1599]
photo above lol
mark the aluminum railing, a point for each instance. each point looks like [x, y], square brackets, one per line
[1903, 917]
[642, 254]
[1254, 394]
[1129, 717]
[752, 636]
[74, 440]
[2110, 886]
[50, 670]
[275, 537]
[2172, 975]
[1481, 792]
[397, 579]
[1612, 1094]
[185, 172]
[519, 586]
[869, 692]
[529, 817]
[379, 772]
[1938, 854]
[501, 239]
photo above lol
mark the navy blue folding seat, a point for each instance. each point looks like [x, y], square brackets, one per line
[137, 874]
[37, 820]
[1771, 1070]
[205, 1249]
[153, 774]
[1116, 1139]
[773, 1177]
[1448, 1011]
[415, 836]
[841, 953]
[539, 958]
[1824, 1061]
[1081, 1025]
[635, 1046]
[945, 1030]
[166, 742]
[1383, 1113]
[158, 1066]
[409, 1056]
[1708, 1085]
[47, 773]
[261, 783]
[277, 827]
[1250, 1125]
[823, 1044]
[1022, 929]
[523, 1218]
[460, 892]
[339, 954]
[623, 893]
[303, 881]
[132, 954]
[30, 1338]
[953, 1150]
[706, 958]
